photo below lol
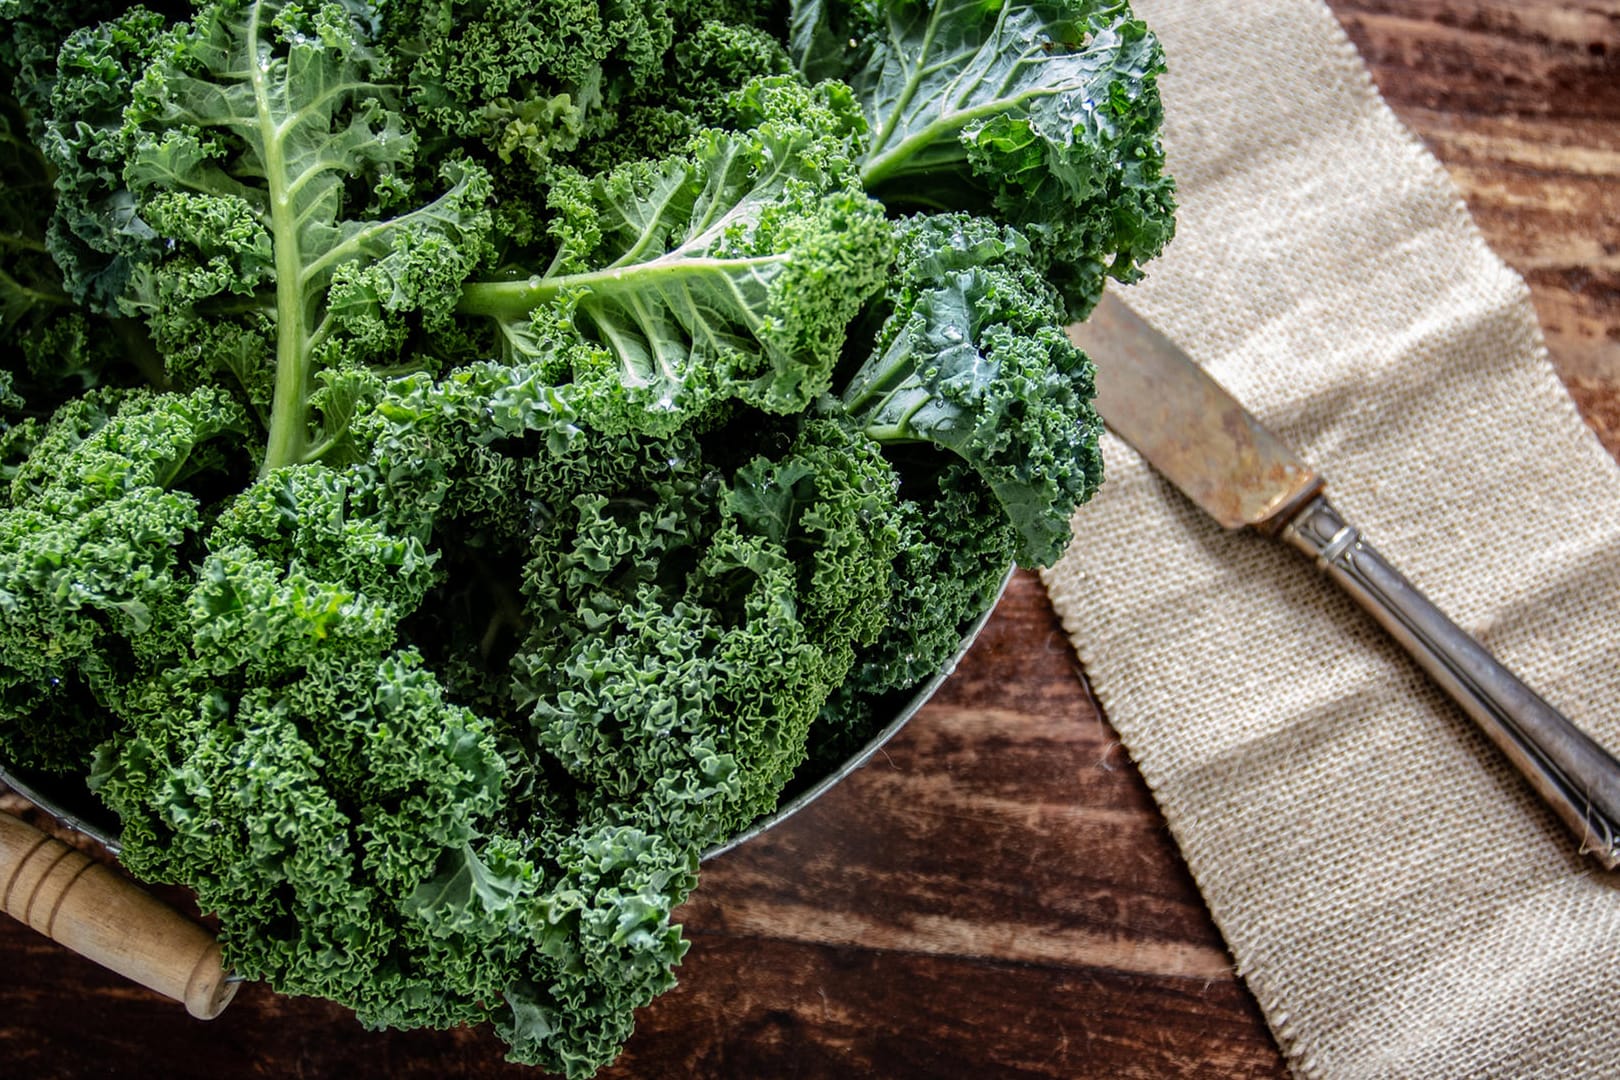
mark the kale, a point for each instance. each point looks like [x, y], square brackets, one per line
[461, 460]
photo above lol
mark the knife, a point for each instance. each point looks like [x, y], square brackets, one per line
[1200, 438]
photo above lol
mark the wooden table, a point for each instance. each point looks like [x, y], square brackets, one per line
[996, 895]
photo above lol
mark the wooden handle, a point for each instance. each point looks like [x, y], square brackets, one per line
[79, 903]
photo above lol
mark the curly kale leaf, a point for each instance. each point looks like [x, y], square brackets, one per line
[1044, 113]
[591, 84]
[99, 511]
[677, 623]
[727, 273]
[605, 923]
[95, 541]
[32, 32]
[254, 140]
[955, 548]
[526, 82]
[307, 811]
[50, 349]
[306, 773]
[972, 360]
[710, 63]
[689, 634]
[96, 235]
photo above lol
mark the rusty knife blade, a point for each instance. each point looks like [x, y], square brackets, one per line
[1155, 397]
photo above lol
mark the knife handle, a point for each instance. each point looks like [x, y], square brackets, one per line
[1576, 777]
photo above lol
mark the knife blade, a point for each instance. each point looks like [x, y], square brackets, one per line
[1187, 426]
[1197, 435]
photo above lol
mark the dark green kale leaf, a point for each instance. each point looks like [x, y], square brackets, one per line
[31, 34]
[1045, 114]
[96, 235]
[972, 360]
[50, 348]
[93, 559]
[956, 548]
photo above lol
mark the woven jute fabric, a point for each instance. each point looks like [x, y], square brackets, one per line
[1398, 901]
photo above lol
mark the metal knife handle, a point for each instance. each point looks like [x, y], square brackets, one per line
[1572, 773]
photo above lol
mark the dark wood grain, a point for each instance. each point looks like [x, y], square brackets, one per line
[1521, 103]
[996, 895]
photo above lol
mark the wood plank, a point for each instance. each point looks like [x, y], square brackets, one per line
[996, 895]
[856, 1012]
[1521, 102]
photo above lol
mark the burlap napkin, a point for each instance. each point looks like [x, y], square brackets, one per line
[1398, 902]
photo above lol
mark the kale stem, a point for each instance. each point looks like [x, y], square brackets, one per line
[505, 299]
[22, 243]
[53, 297]
[876, 380]
[289, 420]
[882, 166]
[515, 299]
[887, 434]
